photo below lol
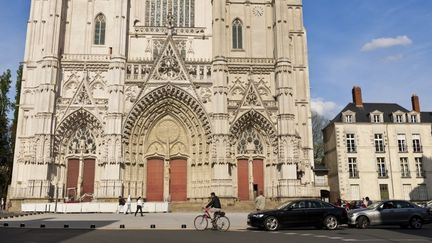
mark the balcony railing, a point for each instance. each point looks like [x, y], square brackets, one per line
[352, 150]
[418, 149]
[382, 174]
[354, 174]
[406, 174]
[403, 149]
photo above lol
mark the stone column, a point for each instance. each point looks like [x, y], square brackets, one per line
[285, 90]
[115, 88]
[221, 181]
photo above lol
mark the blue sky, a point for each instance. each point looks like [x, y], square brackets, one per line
[389, 70]
[384, 46]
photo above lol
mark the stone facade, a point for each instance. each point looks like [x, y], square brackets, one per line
[379, 150]
[164, 99]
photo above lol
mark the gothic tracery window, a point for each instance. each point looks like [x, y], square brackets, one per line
[100, 27]
[237, 34]
[250, 142]
[83, 142]
[183, 12]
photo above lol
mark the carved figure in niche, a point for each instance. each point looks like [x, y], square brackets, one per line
[250, 142]
[83, 142]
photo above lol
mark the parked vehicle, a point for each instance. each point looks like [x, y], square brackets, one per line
[356, 204]
[308, 212]
[390, 212]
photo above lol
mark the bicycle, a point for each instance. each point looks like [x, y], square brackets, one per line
[219, 222]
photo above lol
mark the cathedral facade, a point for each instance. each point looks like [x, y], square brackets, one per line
[164, 99]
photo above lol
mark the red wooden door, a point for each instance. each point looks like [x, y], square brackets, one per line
[88, 178]
[258, 174]
[178, 180]
[72, 178]
[243, 179]
[155, 182]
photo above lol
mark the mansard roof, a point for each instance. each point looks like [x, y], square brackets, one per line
[363, 112]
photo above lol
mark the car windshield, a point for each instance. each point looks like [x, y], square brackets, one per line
[284, 205]
[374, 205]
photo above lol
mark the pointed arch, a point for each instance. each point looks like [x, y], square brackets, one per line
[68, 127]
[99, 30]
[237, 34]
[166, 100]
[259, 122]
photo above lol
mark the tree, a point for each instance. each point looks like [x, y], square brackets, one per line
[5, 152]
[318, 124]
[16, 109]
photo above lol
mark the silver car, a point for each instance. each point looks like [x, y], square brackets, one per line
[392, 212]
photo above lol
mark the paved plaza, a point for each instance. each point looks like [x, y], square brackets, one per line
[165, 221]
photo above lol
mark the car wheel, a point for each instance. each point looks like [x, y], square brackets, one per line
[416, 223]
[362, 222]
[271, 223]
[331, 222]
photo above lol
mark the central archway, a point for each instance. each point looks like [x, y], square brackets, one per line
[170, 126]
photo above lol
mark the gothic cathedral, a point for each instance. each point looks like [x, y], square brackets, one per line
[165, 99]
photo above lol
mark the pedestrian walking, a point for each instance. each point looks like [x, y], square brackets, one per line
[139, 206]
[260, 202]
[368, 202]
[121, 203]
[128, 207]
[2, 205]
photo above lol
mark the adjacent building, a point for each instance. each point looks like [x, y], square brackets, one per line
[165, 99]
[379, 150]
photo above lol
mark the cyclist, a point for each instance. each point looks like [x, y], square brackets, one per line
[214, 205]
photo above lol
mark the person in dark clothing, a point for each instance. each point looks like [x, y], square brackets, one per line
[139, 206]
[214, 205]
[121, 202]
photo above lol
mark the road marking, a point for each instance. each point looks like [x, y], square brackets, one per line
[290, 233]
[335, 238]
[306, 234]
[349, 240]
[321, 236]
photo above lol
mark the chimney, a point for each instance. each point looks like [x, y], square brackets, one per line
[415, 103]
[357, 96]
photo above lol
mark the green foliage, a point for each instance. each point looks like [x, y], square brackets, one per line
[16, 109]
[318, 124]
[5, 152]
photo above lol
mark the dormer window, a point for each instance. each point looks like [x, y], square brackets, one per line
[348, 117]
[399, 119]
[413, 119]
[376, 118]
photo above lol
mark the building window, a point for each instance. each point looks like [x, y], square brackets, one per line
[376, 118]
[348, 118]
[100, 26]
[405, 173]
[379, 143]
[384, 192]
[237, 34]
[352, 167]
[382, 171]
[350, 142]
[399, 119]
[419, 167]
[417, 148]
[402, 143]
[182, 12]
[413, 118]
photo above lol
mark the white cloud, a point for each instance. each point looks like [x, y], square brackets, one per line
[324, 108]
[386, 43]
[393, 58]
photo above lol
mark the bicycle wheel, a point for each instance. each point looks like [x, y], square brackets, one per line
[200, 222]
[223, 223]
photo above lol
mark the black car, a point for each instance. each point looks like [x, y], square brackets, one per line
[308, 212]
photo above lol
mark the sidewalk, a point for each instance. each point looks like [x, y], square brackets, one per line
[163, 221]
